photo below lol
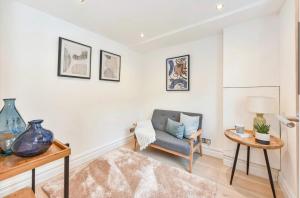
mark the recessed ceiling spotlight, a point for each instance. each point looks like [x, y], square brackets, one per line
[82, 1]
[220, 6]
[142, 35]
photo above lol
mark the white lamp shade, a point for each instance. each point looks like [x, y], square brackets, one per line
[261, 104]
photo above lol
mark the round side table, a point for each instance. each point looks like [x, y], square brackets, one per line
[275, 143]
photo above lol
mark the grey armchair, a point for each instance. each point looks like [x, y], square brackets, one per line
[164, 141]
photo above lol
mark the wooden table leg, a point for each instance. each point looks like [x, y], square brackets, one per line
[248, 159]
[270, 173]
[66, 176]
[33, 180]
[235, 161]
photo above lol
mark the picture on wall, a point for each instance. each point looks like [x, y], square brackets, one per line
[178, 73]
[110, 66]
[74, 59]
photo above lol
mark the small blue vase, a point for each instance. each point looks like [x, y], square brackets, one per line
[34, 141]
[10, 119]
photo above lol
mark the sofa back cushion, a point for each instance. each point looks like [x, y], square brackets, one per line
[160, 118]
[190, 123]
[175, 128]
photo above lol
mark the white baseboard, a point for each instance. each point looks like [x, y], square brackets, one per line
[254, 168]
[213, 152]
[288, 193]
[46, 172]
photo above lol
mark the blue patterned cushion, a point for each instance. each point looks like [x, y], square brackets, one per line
[175, 128]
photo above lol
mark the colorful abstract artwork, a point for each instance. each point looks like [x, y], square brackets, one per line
[74, 59]
[110, 66]
[178, 73]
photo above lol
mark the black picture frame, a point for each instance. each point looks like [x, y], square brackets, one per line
[59, 71]
[188, 73]
[101, 77]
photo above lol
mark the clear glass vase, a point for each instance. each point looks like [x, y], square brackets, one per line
[10, 119]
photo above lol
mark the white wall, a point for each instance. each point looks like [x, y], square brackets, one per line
[288, 94]
[251, 52]
[2, 33]
[251, 68]
[205, 95]
[85, 113]
[93, 113]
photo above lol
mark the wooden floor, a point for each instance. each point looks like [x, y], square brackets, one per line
[213, 169]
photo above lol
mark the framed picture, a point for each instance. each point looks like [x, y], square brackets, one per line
[74, 59]
[110, 66]
[178, 73]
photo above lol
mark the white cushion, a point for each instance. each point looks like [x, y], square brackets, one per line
[191, 124]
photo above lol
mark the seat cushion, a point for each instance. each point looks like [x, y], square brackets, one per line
[170, 142]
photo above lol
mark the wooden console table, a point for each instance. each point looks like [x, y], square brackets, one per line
[13, 165]
[275, 143]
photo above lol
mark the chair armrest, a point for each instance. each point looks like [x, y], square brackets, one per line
[132, 129]
[195, 135]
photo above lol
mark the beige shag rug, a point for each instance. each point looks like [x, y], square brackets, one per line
[125, 174]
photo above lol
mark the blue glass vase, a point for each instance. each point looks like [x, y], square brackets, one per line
[10, 119]
[34, 141]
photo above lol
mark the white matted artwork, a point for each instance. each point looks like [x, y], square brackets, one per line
[74, 59]
[110, 66]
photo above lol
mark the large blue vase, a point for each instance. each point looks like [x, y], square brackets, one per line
[10, 119]
[34, 141]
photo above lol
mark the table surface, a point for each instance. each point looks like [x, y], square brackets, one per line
[275, 142]
[13, 165]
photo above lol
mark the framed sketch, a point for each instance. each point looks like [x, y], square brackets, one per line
[110, 66]
[178, 73]
[74, 59]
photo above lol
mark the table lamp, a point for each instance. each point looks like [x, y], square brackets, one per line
[261, 105]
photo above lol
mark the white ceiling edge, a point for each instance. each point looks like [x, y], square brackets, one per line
[196, 31]
[210, 20]
[210, 26]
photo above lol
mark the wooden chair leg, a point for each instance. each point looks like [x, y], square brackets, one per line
[191, 157]
[200, 145]
[191, 163]
[135, 144]
[200, 148]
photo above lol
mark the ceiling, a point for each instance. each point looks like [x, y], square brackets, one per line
[163, 22]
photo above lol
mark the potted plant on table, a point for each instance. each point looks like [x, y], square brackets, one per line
[262, 134]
